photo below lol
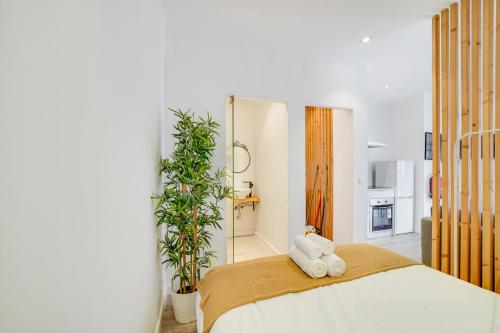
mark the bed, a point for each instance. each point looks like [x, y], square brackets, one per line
[413, 298]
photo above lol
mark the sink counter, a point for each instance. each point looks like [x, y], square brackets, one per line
[247, 200]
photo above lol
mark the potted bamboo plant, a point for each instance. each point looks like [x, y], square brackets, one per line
[189, 208]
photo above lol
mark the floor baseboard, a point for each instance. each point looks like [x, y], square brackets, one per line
[160, 315]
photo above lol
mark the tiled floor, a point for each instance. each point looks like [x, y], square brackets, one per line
[248, 247]
[407, 245]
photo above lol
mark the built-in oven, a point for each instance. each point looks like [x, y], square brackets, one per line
[381, 217]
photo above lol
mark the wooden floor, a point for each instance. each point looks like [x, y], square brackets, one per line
[169, 325]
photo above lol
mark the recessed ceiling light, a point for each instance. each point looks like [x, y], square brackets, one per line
[387, 86]
[366, 39]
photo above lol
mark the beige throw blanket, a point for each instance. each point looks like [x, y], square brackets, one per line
[229, 286]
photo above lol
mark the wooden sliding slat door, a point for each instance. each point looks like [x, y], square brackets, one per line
[319, 160]
[465, 235]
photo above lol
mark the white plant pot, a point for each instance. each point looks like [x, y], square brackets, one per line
[184, 306]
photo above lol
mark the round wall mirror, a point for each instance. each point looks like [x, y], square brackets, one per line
[242, 157]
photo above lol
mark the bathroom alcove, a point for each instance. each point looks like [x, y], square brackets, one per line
[257, 152]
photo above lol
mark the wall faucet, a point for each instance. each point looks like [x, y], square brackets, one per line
[250, 183]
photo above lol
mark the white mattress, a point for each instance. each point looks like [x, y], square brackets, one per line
[412, 299]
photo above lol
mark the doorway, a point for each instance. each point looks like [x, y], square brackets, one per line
[329, 172]
[257, 163]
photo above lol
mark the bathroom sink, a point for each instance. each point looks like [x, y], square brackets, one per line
[242, 192]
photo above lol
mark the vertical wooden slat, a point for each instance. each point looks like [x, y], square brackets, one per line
[475, 261]
[322, 142]
[313, 166]
[321, 152]
[497, 153]
[445, 218]
[453, 121]
[330, 213]
[436, 81]
[332, 173]
[487, 231]
[315, 155]
[315, 159]
[464, 185]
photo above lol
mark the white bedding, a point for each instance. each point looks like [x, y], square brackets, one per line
[411, 299]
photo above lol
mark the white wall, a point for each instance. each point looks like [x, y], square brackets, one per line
[80, 97]
[213, 55]
[343, 171]
[271, 175]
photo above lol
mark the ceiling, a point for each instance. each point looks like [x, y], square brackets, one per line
[398, 55]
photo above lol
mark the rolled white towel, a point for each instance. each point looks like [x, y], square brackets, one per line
[315, 268]
[308, 247]
[335, 265]
[327, 246]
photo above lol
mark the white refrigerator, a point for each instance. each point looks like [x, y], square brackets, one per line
[399, 175]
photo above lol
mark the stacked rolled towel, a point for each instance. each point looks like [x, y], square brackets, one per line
[314, 267]
[326, 245]
[314, 255]
[335, 265]
[308, 247]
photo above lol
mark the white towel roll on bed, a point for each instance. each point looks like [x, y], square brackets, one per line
[315, 268]
[335, 265]
[327, 246]
[308, 247]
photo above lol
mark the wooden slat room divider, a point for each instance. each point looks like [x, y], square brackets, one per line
[465, 241]
[319, 159]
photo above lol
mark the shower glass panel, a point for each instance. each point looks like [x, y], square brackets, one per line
[230, 170]
[232, 173]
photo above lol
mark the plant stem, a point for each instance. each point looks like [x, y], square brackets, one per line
[183, 257]
[183, 264]
[194, 252]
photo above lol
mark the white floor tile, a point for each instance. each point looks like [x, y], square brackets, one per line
[247, 248]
